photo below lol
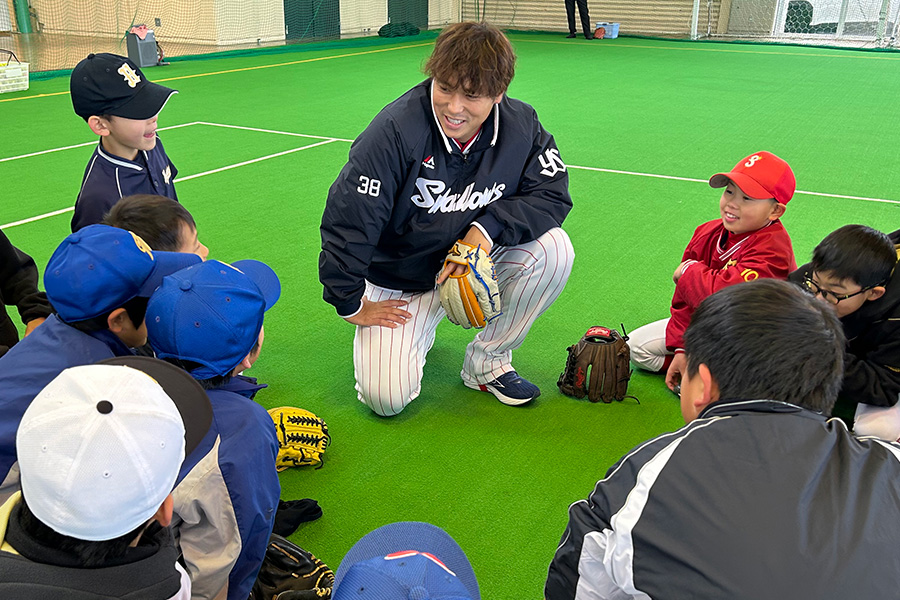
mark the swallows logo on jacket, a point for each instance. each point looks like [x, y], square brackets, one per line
[436, 196]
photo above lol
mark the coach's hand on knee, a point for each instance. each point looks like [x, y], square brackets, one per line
[387, 313]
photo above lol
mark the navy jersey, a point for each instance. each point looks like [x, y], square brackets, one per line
[109, 178]
[408, 193]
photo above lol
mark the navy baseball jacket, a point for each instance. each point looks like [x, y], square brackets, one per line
[109, 178]
[408, 193]
[754, 499]
[227, 495]
[33, 363]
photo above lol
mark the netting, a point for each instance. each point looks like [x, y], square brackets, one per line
[56, 34]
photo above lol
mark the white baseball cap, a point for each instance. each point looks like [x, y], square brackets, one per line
[100, 447]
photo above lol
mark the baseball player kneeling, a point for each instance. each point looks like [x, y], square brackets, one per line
[451, 203]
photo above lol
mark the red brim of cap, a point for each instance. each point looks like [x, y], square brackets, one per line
[145, 104]
[747, 184]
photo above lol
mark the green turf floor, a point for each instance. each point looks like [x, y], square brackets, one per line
[499, 479]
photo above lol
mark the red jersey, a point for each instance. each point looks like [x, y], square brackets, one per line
[723, 259]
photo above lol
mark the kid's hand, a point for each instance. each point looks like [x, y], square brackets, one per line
[387, 313]
[673, 375]
[677, 274]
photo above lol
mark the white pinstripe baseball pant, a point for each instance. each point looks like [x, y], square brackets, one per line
[388, 362]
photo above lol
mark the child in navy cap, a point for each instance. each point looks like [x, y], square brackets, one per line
[118, 103]
[98, 281]
[208, 320]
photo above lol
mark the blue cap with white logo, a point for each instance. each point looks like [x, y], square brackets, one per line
[99, 268]
[412, 560]
[211, 314]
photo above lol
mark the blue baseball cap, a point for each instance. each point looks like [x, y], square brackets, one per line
[406, 560]
[211, 314]
[99, 268]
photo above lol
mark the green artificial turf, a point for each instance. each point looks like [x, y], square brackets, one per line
[498, 479]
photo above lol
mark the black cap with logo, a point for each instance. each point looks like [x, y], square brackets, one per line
[108, 84]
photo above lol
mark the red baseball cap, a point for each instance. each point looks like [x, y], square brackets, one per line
[760, 175]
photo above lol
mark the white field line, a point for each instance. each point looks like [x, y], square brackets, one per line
[637, 174]
[317, 137]
[91, 143]
[328, 140]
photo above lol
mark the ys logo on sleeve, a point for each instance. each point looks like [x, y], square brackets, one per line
[551, 162]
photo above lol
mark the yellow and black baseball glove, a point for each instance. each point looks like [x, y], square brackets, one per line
[302, 437]
[598, 367]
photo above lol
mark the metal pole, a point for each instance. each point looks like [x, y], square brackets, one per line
[882, 22]
[22, 17]
[695, 15]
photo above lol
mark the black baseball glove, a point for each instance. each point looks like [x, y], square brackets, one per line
[289, 572]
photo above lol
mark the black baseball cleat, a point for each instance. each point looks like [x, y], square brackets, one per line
[570, 36]
[509, 388]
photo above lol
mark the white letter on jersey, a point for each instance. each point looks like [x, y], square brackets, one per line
[368, 186]
[552, 163]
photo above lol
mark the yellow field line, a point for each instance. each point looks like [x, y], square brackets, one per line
[696, 47]
[284, 64]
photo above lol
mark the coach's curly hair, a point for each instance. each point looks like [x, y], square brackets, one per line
[474, 56]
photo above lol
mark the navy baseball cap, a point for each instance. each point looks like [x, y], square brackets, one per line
[109, 84]
[99, 268]
[406, 560]
[211, 314]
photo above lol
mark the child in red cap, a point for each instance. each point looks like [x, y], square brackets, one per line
[747, 242]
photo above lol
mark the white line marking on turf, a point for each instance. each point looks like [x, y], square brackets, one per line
[91, 143]
[180, 179]
[328, 140]
[318, 137]
[39, 217]
[691, 179]
[255, 160]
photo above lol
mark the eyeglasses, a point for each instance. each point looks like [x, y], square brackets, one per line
[813, 288]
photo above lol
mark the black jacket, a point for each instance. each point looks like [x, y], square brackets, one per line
[19, 288]
[407, 194]
[754, 499]
[872, 359]
[38, 572]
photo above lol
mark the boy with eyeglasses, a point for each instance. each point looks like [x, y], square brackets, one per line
[852, 270]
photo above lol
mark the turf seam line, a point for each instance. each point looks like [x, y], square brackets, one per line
[306, 135]
[242, 69]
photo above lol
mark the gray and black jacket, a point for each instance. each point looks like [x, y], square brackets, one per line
[754, 499]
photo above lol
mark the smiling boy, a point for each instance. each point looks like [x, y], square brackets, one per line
[118, 103]
[453, 158]
[746, 242]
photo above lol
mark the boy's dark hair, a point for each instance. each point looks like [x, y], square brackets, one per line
[858, 253]
[136, 308]
[474, 56]
[210, 383]
[88, 554]
[156, 219]
[767, 339]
